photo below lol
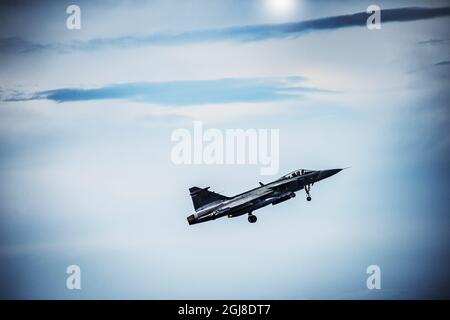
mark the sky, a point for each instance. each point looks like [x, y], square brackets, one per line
[86, 176]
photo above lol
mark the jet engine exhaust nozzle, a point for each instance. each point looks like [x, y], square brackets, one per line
[191, 219]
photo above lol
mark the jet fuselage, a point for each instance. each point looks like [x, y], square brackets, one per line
[210, 205]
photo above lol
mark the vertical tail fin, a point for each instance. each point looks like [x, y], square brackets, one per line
[201, 197]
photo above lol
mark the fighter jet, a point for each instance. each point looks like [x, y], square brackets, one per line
[210, 205]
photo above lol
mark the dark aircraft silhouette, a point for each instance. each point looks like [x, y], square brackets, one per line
[210, 205]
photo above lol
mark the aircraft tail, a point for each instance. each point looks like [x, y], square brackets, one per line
[201, 197]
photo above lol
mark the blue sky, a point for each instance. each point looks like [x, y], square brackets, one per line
[85, 170]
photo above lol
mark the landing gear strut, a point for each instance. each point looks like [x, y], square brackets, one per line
[252, 218]
[307, 189]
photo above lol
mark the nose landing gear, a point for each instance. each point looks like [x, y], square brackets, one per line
[308, 195]
[252, 218]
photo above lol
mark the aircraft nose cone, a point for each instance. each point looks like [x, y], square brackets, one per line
[327, 173]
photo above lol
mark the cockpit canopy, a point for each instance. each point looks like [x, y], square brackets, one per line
[297, 173]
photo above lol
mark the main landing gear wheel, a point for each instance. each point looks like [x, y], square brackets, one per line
[308, 196]
[252, 218]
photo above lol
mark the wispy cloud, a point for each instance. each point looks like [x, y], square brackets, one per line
[179, 93]
[434, 41]
[442, 63]
[19, 45]
[238, 33]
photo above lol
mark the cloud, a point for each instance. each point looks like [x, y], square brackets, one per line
[434, 41]
[19, 45]
[442, 63]
[238, 33]
[179, 93]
